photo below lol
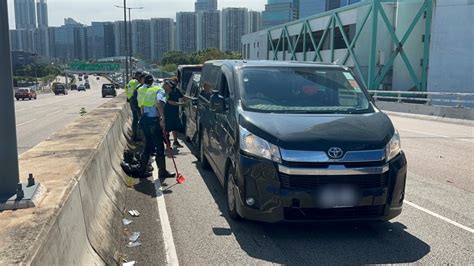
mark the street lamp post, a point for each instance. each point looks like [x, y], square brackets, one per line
[125, 40]
[129, 37]
[9, 173]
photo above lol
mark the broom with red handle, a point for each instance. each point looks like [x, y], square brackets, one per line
[180, 179]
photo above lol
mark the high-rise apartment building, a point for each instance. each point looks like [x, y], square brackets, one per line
[333, 4]
[41, 33]
[186, 32]
[23, 40]
[41, 38]
[63, 43]
[109, 39]
[255, 21]
[209, 29]
[279, 12]
[25, 15]
[120, 39]
[96, 40]
[80, 43]
[161, 37]
[311, 7]
[42, 13]
[234, 25]
[141, 43]
[205, 5]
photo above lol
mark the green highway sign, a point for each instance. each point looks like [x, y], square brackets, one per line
[89, 67]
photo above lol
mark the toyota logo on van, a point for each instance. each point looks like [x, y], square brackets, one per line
[335, 153]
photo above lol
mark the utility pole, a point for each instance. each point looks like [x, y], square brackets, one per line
[125, 39]
[128, 37]
[130, 42]
[9, 173]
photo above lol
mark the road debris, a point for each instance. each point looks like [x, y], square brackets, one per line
[134, 213]
[133, 244]
[134, 237]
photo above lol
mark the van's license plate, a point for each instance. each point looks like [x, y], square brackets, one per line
[337, 196]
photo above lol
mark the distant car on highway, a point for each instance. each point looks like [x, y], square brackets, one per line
[97, 78]
[60, 89]
[73, 87]
[298, 142]
[81, 88]
[80, 79]
[108, 90]
[25, 93]
[87, 85]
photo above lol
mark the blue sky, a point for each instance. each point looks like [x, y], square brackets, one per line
[85, 11]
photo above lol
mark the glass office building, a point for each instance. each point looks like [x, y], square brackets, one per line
[311, 7]
[279, 12]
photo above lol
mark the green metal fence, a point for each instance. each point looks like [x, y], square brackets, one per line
[288, 44]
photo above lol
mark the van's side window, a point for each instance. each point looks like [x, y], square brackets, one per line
[209, 79]
[224, 91]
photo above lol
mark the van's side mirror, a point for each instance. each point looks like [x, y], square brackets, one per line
[217, 103]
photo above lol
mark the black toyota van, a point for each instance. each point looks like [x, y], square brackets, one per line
[298, 142]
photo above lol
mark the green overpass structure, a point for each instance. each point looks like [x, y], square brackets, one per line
[385, 42]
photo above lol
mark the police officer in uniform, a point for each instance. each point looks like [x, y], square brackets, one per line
[141, 92]
[130, 89]
[153, 123]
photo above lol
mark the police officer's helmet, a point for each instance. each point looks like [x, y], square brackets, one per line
[137, 74]
[148, 79]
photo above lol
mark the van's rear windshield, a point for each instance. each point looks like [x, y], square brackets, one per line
[302, 90]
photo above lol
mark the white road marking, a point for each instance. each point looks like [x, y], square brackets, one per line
[54, 113]
[27, 108]
[24, 123]
[170, 248]
[436, 135]
[470, 230]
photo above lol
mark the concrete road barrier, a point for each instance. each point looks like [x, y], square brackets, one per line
[429, 110]
[79, 219]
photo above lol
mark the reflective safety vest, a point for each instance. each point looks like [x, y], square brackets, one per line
[141, 92]
[149, 99]
[131, 87]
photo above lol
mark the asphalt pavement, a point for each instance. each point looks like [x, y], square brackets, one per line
[190, 224]
[37, 119]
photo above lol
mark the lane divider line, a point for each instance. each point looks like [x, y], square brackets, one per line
[54, 112]
[24, 123]
[27, 108]
[436, 135]
[170, 248]
[470, 230]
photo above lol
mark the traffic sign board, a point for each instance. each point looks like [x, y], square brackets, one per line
[91, 67]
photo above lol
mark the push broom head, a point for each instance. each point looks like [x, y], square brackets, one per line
[180, 178]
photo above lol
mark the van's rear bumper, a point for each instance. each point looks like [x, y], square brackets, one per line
[261, 180]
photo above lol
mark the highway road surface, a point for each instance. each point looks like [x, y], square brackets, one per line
[188, 224]
[37, 119]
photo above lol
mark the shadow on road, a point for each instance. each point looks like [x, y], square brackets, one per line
[318, 243]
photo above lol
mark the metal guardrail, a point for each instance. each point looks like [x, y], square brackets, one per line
[427, 98]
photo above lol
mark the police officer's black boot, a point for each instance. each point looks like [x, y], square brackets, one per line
[162, 172]
[144, 167]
